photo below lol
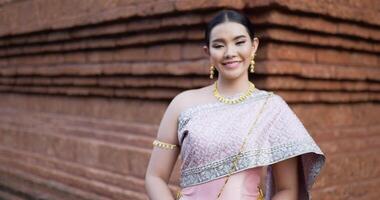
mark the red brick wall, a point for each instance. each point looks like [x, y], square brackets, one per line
[84, 84]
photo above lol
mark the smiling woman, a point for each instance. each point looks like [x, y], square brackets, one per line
[231, 51]
[234, 138]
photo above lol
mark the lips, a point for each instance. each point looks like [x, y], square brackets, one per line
[231, 64]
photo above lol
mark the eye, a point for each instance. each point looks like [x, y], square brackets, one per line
[217, 46]
[240, 42]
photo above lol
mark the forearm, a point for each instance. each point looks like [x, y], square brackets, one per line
[157, 189]
[285, 194]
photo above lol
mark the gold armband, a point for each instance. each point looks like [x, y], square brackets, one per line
[164, 145]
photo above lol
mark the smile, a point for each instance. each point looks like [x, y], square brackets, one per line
[232, 64]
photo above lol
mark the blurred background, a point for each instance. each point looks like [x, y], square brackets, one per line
[84, 84]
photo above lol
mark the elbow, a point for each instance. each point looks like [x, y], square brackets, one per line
[152, 180]
[148, 180]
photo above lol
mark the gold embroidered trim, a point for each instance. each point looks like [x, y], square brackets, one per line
[164, 145]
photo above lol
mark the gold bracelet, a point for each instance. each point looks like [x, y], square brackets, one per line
[179, 195]
[164, 145]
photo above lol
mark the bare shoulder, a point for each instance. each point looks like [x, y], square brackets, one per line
[192, 97]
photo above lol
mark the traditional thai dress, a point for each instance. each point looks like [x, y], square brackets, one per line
[211, 134]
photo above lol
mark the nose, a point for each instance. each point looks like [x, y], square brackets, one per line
[230, 52]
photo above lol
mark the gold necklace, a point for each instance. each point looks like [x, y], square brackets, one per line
[242, 97]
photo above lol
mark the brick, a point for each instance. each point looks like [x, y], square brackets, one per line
[355, 165]
[77, 45]
[49, 10]
[88, 70]
[24, 81]
[332, 9]
[80, 171]
[111, 82]
[102, 56]
[170, 52]
[84, 81]
[114, 159]
[62, 81]
[70, 187]
[156, 7]
[37, 143]
[75, 58]
[31, 39]
[345, 58]
[101, 43]
[275, 83]
[29, 184]
[351, 145]
[185, 20]
[6, 195]
[42, 81]
[285, 35]
[195, 34]
[107, 92]
[365, 190]
[353, 29]
[324, 71]
[185, 5]
[54, 36]
[339, 115]
[289, 52]
[140, 25]
[301, 22]
[11, 51]
[50, 59]
[94, 56]
[108, 30]
[88, 153]
[137, 159]
[7, 81]
[130, 54]
[193, 51]
[64, 148]
[3, 62]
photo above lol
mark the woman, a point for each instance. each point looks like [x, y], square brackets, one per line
[228, 132]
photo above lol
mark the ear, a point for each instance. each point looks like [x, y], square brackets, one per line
[206, 50]
[255, 44]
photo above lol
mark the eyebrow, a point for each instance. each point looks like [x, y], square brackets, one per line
[235, 38]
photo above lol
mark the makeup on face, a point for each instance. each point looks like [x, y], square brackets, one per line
[230, 46]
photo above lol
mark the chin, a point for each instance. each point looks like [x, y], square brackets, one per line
[232, 76]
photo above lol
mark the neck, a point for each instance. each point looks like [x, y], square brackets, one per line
[233, 87]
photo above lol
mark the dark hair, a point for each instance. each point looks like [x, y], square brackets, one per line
[229, 16]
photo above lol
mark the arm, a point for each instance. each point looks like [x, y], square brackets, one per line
[162, 161]
[286, 180]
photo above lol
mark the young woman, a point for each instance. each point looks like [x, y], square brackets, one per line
[228, 132]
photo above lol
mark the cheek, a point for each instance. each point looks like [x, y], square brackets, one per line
[216, 55]
[246, 53]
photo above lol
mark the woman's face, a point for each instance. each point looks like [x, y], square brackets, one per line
[231, 49]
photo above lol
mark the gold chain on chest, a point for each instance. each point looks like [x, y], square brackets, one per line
[242, 97]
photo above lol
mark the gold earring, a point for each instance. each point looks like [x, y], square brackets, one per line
[252, 65]
[212, 71]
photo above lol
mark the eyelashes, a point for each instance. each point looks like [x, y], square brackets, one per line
[241, 42]
[218, 46]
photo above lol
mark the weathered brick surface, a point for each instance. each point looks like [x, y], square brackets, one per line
[337, 153]
[83, 87]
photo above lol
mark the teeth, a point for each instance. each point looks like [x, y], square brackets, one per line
[230, 62]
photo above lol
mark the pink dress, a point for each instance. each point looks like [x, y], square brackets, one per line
[211, 136]
[243, 185]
